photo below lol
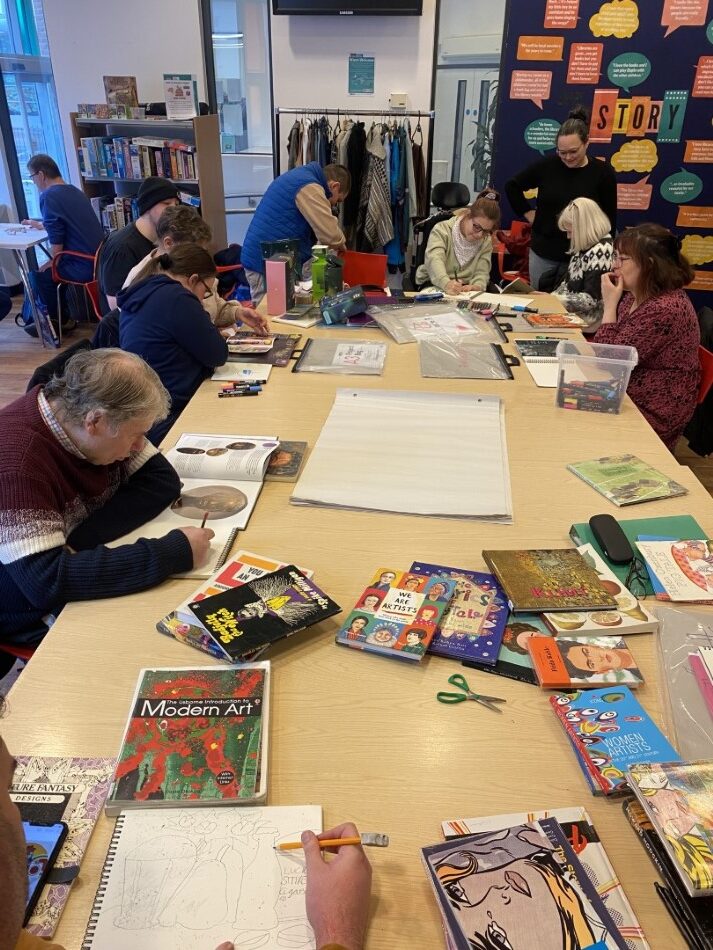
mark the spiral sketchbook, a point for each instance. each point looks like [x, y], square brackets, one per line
[191, 880]
[540, 359]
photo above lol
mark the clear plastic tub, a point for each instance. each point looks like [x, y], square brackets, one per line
[593, 376]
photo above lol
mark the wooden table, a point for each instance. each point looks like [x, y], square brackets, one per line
[21, 238]
[362, 736]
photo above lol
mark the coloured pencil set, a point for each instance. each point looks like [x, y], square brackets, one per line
[251, 387]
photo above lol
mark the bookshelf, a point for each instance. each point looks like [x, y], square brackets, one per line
[202, 132]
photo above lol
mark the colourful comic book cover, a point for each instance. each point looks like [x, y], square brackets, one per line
[678, 798]
[398, 614]
[194, 736]
[472, 628]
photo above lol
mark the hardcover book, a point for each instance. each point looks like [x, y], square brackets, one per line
[472, 627]
[555, 579]
[583, 662]
[514, 658]
[121, 90]
[194, 737]
[554, 320]
[626, 480]
[262, 611]
[398, 614]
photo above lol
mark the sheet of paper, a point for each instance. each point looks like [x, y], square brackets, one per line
[243, 372]
[364, 355]
[505, 300]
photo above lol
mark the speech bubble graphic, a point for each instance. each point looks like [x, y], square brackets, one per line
[638, 156]
[542, 134]
[699, 151]
[532, 84]
[702, 280]
[618, 18]
[585, 62]
[680, 187]
[697, 249]
[540, 47]
[709, 32]
[634, 196]
[629, 69]
[561, 14]
[692, 216]
[703, 83]
[683, 13]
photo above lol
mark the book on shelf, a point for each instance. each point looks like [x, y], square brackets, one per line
[513, 660]
[582, 836]
[398, 614]
[680, 571]
[540, 359]
[48, 789]
[678, 800]
[194, 736]
[548, 580]
[582, 662]
[137, 157]
[121, 90]
[174, 880]
[222, 478]
[626, 479]
[260, 612]
[472, 627]
[609, 731]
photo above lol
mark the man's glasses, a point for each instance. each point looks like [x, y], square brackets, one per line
[637, 580]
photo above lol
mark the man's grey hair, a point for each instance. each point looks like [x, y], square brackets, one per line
[119, 384]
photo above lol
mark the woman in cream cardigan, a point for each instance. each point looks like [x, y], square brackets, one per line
[459, 250]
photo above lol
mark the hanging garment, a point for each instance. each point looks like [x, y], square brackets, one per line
[311, 151]
[375, 228]
[409, 210]
[324, 135]
[412, 196]
[419, 174]
[342, 141]
[356, 155]
[394, 252]
[294, 145]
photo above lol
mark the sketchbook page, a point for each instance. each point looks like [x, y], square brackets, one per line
[399, 469]
[193, 879]
[358, 357]
[505, 300]
[544, 371]
[228, 457]
[242, 372]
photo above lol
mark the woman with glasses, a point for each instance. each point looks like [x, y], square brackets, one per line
[559, 179]
[590, 257]
[459, 249]
[646, 307]
[164, 321]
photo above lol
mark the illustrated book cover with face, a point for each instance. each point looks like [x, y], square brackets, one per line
[582, 662]
[472, 627]
[398, 614]
[680, 571]
[47, 790]
[678, 799]
[194, 736]
[262, 611]
[513, 659]
[610, 731]
[582, 836]
[286, 462]
[515, 887]
[556, 579]
[221, 479]
[630, 616]
[626, 479]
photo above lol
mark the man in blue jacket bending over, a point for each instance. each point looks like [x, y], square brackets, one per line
[298, 205]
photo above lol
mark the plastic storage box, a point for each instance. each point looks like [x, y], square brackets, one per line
[593, 376]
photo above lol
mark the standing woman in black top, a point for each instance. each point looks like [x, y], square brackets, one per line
[559, 179]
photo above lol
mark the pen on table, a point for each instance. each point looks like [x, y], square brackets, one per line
[240, 392]
[241, 386]
[373, 839]
[521, 308]
[205, 518]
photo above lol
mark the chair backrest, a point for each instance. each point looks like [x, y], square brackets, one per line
[107, 333]
[517, 228]
[448, 195]
[364, 269]
[705, 358]
[44, 373]
[421, 233]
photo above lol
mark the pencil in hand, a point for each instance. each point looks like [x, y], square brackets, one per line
[205, 518]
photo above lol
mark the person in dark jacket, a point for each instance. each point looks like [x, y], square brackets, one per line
[163, 321]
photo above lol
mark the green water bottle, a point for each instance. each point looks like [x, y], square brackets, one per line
[319, 266]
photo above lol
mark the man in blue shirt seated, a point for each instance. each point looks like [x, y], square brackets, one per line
[70, 222]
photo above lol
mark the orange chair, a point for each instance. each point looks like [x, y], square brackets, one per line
[517, 230]
[365, 269]
[90, 287]
[705, 358]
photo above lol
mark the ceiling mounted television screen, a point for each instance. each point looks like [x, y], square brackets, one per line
[349, 7]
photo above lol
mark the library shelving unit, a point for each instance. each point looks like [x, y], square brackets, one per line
[203, 132]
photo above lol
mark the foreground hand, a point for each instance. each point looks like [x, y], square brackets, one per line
[467, 288]
[226, 946]
[256, 321]
[530, 215]
[30, 223]
[454, 287]
[199, 540]
[338, 890]
[612, 289]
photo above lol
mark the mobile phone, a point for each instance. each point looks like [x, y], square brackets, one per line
[44, 842]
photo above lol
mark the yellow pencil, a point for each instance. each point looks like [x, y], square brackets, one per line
[368, 838]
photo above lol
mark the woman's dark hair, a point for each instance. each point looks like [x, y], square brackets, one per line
[487, 204]
[185, 260]
[657, 253]
[511, 633]
[576, 123]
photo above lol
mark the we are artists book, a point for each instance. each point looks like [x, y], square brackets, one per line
[194, 736]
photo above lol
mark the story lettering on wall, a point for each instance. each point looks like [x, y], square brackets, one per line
[645, 72]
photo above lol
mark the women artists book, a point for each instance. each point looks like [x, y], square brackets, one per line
[681, 571]
[195, 736]
[626, 480]
[556, 579]
[472, 627]
[609, 732]
[221, 479]
[262, 611]
[678, 799]
[584, 662]
[398, 614]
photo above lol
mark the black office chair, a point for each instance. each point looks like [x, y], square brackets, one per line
[448, 195]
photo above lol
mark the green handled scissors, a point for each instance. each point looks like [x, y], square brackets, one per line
[461, 683]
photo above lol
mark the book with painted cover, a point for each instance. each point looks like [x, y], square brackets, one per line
[194, 736]
[398, 614]
[47, 789]
[262, 611]
[514, 658]
[554, 320]
[472, 627]
[547, 580]
[626, 479]
[582, 662]
[678, 799]
[681, 571]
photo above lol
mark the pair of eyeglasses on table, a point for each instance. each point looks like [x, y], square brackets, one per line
[637, 579]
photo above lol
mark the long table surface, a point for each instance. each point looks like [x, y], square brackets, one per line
[360, 735]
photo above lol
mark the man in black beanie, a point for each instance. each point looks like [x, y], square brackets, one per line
[129, 245]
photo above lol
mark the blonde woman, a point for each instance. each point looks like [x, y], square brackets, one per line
[591, 251]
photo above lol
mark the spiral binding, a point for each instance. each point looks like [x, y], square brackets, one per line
[90, 932]
[227, 548]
